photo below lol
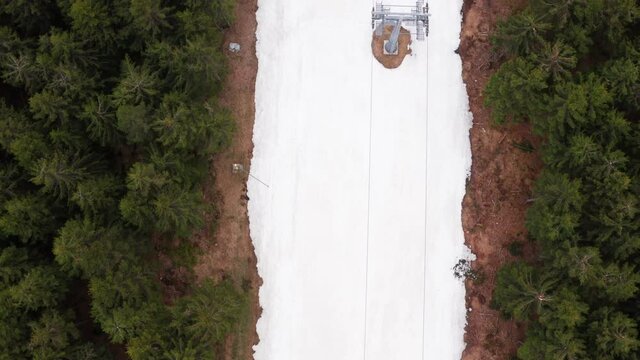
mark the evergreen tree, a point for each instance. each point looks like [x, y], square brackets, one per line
[514, 92]
[52, 336]
[521, 291]
[29, 218]
[109, 118]
[522, 33]
[584, 216]
[41, 287]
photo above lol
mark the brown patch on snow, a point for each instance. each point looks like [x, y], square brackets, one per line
[404, 47]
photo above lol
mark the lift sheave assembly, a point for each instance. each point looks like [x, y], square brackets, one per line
[393, 15]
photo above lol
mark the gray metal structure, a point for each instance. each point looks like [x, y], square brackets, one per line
[418, 17]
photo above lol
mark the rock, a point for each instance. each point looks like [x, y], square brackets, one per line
[234, 47]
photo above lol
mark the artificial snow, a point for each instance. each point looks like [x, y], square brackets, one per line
[360, 227]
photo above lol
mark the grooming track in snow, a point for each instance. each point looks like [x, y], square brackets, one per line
[359, 230]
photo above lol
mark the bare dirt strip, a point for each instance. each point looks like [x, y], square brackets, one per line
[505, 164]
[227, 248]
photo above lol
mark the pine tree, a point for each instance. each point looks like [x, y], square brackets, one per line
[565, 313]
[138, 84]
[13, 265]
[581, 263]
[514, 92]
[150, 17]
[41, 287]
[146, 179]
[52, 336]
[615, 335]
[211, 312]
[32, 16]
[29, 218]
[178, 211]
[134, 122]
[29, 147]
[557, 59]
[20, 69]
[98, 197]
[555, 214]
[50, 107]
[521, 34]
[60, 174]
[102, 124]
[95, 21]
[521, 291]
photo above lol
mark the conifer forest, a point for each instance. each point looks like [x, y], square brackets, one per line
[108, 121]
[572, 70]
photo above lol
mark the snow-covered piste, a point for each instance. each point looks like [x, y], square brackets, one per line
[359, 227]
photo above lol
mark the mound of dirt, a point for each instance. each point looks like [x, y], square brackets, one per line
[404, 47]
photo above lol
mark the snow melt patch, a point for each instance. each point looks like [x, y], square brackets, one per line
[360, 227]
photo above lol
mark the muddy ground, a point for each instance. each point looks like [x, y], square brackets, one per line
[505, 165]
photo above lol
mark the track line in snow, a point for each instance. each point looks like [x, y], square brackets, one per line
[426, 196]
[366, 270]
[420, 325]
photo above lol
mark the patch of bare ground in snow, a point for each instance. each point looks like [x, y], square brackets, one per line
[404, 47]
[228, 252]
[497, 195]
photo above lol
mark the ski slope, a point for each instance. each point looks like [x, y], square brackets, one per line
[360, 225]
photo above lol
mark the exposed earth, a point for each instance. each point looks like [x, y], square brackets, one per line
[404, 47]
[227, 248]
[505, 165]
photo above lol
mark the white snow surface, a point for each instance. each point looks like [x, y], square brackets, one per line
[360, 225]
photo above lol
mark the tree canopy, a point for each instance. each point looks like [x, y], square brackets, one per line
[109, 116]
[572, 71]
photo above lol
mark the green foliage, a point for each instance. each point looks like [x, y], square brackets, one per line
[52, 336]
[555, 213]
[137, 85]
[102, 125]
[133, 121]
[85, 248]
[557, 59]
[41, 287]
[196, 323]
[521, 33]
[572, 71]
[97, 197]
[178, 211]
[615, 334]
[211, 312]
[522, 291]
[28, 217]
[150, 17]
[29, 15]
[108, 121]
[60, 174]
[94, 20]
[515, 91]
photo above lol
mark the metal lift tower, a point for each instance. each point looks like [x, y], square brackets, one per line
[418, 17]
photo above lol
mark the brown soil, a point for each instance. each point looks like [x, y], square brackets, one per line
[499, 188]
[404, 47]
[227, 248]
